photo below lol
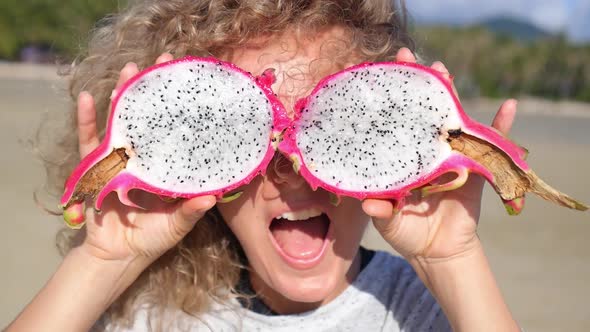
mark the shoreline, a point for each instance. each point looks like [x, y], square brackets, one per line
[29, 71]
[531, 105]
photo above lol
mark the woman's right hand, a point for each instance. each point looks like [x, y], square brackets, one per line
[123, 233]
[119, 243]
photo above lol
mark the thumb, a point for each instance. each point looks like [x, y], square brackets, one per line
[190, 211]
[381, 211]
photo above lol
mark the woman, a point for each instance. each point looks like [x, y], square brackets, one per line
[192, 264]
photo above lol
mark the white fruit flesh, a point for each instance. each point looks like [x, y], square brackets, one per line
[376, 128]
[182, 137]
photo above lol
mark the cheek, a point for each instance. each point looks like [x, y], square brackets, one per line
[352, 210]
[350, 222]
[241, 214]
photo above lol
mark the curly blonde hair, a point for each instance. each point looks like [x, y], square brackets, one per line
[206, 265]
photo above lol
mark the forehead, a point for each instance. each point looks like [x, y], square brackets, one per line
[299, 61]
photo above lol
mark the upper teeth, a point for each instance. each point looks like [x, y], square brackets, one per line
[301, 214]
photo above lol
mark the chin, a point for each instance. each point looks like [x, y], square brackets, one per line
[315, 286]
[321, 288]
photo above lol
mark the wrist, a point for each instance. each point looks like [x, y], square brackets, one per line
[82, 288]
[112, 276]
[431, 268]
[466, 290]
[100, 256]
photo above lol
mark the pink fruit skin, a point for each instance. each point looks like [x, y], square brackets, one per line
[74, 215]
[514, 206]
[456, 163]
[124, 181]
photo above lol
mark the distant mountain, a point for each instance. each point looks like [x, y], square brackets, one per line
[515, 28]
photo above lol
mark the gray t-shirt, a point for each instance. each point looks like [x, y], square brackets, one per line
[386, 296]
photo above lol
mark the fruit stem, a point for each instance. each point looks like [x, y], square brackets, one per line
[458, 182]
[98, 176]
[509, 180]
[230, 198]
[545, 191]
[335, 200]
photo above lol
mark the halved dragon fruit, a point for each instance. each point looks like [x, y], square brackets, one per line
[184, 128]
[199, 126]
[381, 130]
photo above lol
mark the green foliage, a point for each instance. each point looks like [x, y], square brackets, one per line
[498, 66]
[483, 63]
[60, 24]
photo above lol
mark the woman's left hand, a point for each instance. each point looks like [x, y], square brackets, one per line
[442, 225]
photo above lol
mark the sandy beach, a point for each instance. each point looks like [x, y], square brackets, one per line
[541, 258]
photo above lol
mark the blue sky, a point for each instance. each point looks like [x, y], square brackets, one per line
[570, 16]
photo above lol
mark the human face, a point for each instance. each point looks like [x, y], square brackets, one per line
[295, 265]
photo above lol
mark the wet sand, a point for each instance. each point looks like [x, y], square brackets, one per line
[541, 258]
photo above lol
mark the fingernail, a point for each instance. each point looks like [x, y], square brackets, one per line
[83, 94]
[207, 203]
[131, 66]
[368, 209]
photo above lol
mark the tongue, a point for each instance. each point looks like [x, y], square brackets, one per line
[300, 239]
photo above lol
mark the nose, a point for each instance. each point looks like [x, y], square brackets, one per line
[281, 172]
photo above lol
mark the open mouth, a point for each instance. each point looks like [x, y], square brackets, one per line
[300, 236]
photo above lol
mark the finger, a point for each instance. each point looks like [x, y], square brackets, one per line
[378, 208]
[441, 68]
[505, 116]
[87, 134]
[126, 73]
[382, 213]
[404, 54]
[190, 211]
[164, 58]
